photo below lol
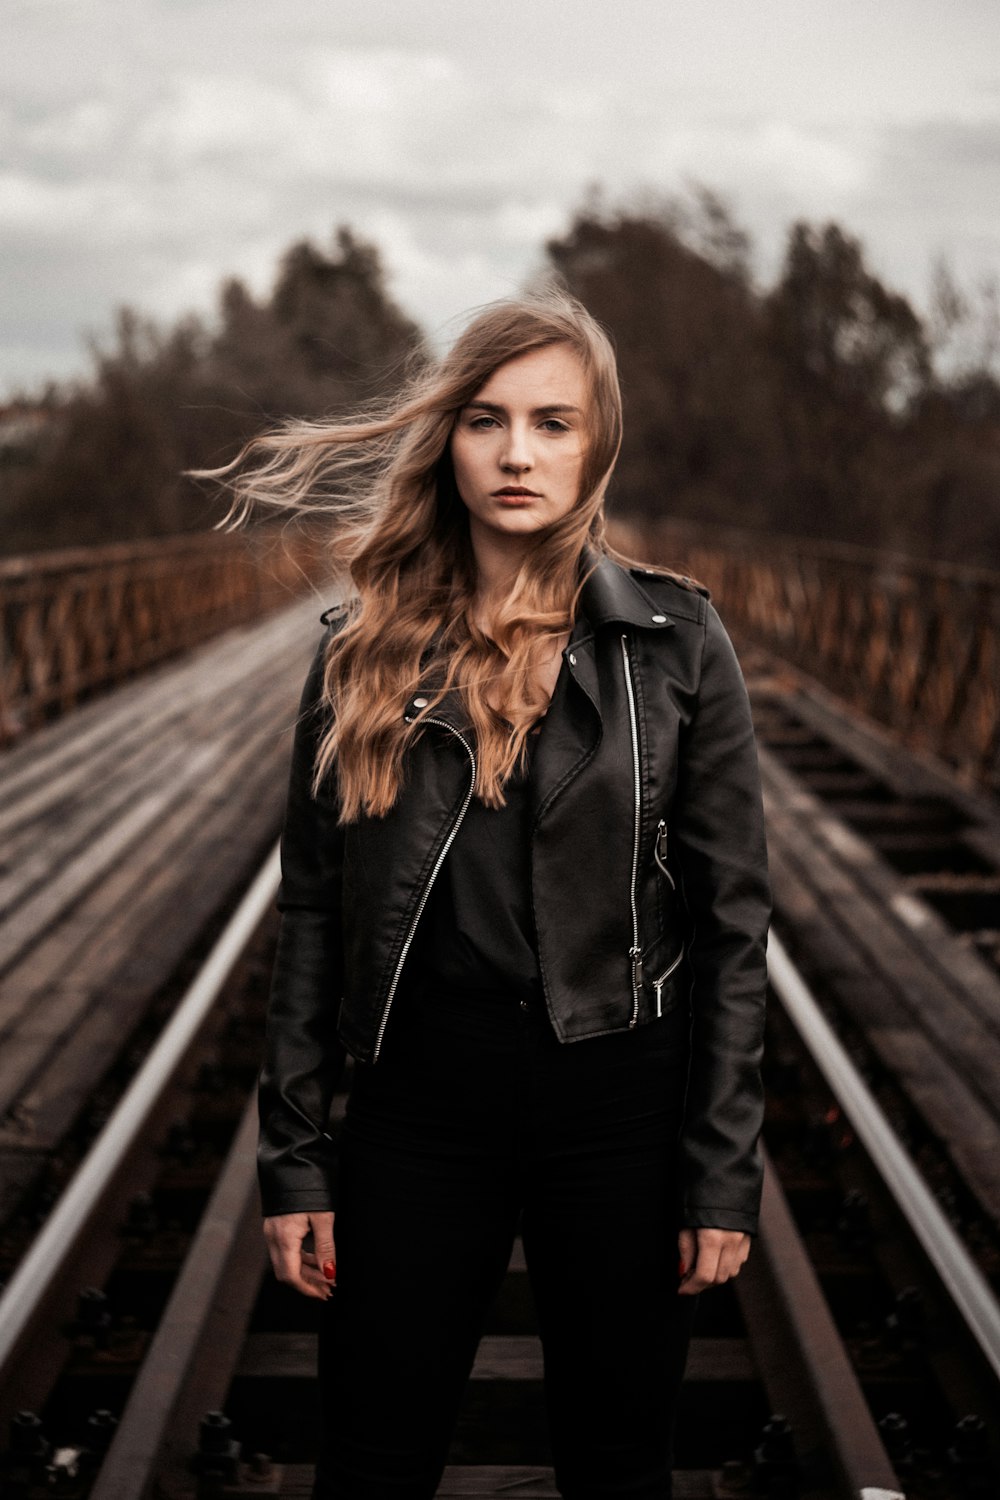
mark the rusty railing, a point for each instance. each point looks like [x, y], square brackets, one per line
[913, 644]
[72, 622]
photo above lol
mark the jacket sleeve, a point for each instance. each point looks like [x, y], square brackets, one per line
[303, 1058]
[721, 847]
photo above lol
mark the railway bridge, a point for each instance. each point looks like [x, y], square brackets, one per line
[147, 695]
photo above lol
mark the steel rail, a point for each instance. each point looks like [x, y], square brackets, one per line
[42, 1267]
[967, 1287]
[46, 1261]
[188, 1366]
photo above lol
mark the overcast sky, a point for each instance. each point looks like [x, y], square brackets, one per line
[149, 147]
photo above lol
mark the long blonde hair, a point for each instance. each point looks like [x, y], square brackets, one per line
[400, 531]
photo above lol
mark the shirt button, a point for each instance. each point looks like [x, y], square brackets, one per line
[659, 619]
[572, 658]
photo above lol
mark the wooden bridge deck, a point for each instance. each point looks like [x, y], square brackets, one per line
[886, 879]
[127, 827]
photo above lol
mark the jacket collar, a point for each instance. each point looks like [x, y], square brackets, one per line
[609, 596]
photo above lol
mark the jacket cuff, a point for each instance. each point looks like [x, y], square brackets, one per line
[718, 1218]
[278, 1200]
[306, 1183]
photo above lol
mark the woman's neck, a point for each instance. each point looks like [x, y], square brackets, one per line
[498, 559]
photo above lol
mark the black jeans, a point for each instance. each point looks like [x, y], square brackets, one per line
[476, 1121]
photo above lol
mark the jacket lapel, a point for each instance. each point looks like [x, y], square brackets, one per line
[610, 597]
[572, 734]
[573, 728]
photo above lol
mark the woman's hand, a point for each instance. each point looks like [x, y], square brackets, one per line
[311, 1272]
[710, 1256]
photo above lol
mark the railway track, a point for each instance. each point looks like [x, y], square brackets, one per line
[145, 1348]
[886, 875]
[857, 1354]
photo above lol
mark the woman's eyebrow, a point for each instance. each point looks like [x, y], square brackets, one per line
[557, 409]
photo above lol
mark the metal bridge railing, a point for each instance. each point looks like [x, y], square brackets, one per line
[73, 622]
[913, 644]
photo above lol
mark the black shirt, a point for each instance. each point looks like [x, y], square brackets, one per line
[476, 931]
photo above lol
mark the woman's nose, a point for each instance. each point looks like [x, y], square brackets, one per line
[517, 451]
[516, 459]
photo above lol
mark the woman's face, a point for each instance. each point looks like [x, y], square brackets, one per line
[518, 447]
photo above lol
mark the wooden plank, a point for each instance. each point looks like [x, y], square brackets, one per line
[875, 912]
[188, 1365]
[909, 772]
[100, 939]
[75, 736]
[508, 1357]
[198, 738]
[965, 1126]
[101, 921]
[66, 855]
[530, 1481]
[182, 707]
[526, 1481]
[81, 737]
[64, 829]
[49, 1077]
[37, 914]
[500, 1357]
[534, 1483]
[132, 754]
[802, 1354]
[144, 853]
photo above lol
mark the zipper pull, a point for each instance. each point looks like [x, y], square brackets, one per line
[661, 850]
[635, 954]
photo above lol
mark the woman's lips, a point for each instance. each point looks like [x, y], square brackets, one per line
[506, 497]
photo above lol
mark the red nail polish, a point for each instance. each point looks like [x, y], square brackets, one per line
[330, 1271]
[681, 1267]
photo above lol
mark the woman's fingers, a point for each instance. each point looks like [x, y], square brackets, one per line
[323, 1244]
[284, 1234]
[718, 1255]
[687, 1252]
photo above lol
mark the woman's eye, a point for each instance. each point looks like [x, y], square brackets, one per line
[554, 425]
[477, 422]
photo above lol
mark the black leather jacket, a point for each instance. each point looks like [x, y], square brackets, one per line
[649, 887]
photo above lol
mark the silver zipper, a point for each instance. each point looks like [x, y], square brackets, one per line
[662, 979]
[430, 881]
[635, 952]
[660, 855]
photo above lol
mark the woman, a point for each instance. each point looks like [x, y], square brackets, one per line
[524, 885]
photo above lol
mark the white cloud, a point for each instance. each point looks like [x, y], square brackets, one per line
[204, 116]
[75, 133]
[149, 151]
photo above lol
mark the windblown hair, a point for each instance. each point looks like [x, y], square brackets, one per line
[400, 531]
